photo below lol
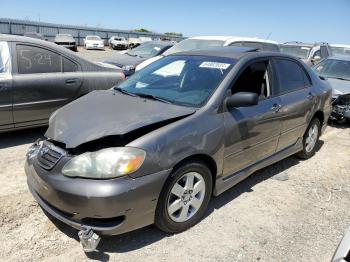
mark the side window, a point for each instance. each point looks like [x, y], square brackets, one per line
[69, 66]
[291, 76]
[32, 59]
[5, 58]
[255, 78]
[317, 53]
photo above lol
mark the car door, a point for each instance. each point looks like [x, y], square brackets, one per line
[252, 133]
[44, 81]
[294, 89]
[6, 117]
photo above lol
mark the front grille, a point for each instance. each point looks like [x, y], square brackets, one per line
[49, 155]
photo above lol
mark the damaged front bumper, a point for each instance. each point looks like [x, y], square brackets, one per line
[341, 108]
[109, 207]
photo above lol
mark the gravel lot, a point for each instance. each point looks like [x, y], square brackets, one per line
[292, 211]
[97, 55]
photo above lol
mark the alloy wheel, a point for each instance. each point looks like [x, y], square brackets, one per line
[186, 197]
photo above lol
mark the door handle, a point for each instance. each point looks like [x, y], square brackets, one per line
[71, 81]
[310, 96]
[276, 107]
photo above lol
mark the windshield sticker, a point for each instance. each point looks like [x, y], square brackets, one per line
[156, 48]
[305, 48]
[214, 65]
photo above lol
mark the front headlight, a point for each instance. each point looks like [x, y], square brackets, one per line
[106, 163]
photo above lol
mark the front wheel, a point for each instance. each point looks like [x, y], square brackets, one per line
[184, 198]
[310, 139]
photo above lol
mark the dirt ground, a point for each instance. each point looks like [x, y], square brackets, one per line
[97, 55]
[292, 211]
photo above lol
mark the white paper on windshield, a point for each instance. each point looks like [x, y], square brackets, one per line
[305, 48]
[214, 65]
[156, 48]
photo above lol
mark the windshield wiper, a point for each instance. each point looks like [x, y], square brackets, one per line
[130, 54]
[339, 78]
[153, 97]
[123, 91]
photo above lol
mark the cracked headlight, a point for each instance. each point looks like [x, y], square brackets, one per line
[105, 163]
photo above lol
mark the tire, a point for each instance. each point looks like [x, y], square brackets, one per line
[190, 209]
[309, 150]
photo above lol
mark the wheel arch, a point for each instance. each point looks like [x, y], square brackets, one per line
[320, 116]
[204, 158]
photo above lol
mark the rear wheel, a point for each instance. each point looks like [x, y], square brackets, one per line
[310, 139]
[184, 198]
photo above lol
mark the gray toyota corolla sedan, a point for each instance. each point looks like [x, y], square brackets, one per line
[187, 127]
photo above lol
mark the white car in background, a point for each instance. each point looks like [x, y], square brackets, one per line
[340, 49]
[118, 43]
[201, 42]
[134, 42]
[93, 42]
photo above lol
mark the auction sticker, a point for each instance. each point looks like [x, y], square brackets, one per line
[214, 65]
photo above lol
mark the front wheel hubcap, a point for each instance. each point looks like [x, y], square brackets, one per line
[186, 197]
[311, 138]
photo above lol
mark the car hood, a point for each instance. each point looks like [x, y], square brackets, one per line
[119, 42]
[124, 60]
[105, 113]
[93, 41]
[340, 87]
[64, 39]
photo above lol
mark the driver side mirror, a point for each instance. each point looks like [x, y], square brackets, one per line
[242, 99]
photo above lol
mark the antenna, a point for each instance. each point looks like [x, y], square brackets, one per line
[268, 36]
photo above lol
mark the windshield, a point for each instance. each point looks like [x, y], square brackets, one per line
[181, 80]
[193, 44]
[146, 50]
[93, 38]
[298, 51]
[333, 68]
[340, 50]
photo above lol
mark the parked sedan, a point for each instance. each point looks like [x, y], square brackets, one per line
[133, 57]
[337, 70]
[202, 42]
[158, 146]
[118, 43]
[309, 53]
[67, 41]
[37, 77]
[93, 42]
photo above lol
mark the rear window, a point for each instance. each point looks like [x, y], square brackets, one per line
[32, 59]
[291, 76]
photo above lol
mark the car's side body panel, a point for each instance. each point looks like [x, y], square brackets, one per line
[28, 99]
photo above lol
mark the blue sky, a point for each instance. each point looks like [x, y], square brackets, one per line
[302, 20]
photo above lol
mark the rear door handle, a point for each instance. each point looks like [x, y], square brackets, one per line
[276, 107]
[71, 81]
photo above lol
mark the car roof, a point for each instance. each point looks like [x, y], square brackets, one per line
[162, 43]
[339, 45]
[231, 39]
[340, 57]
[234, 52]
